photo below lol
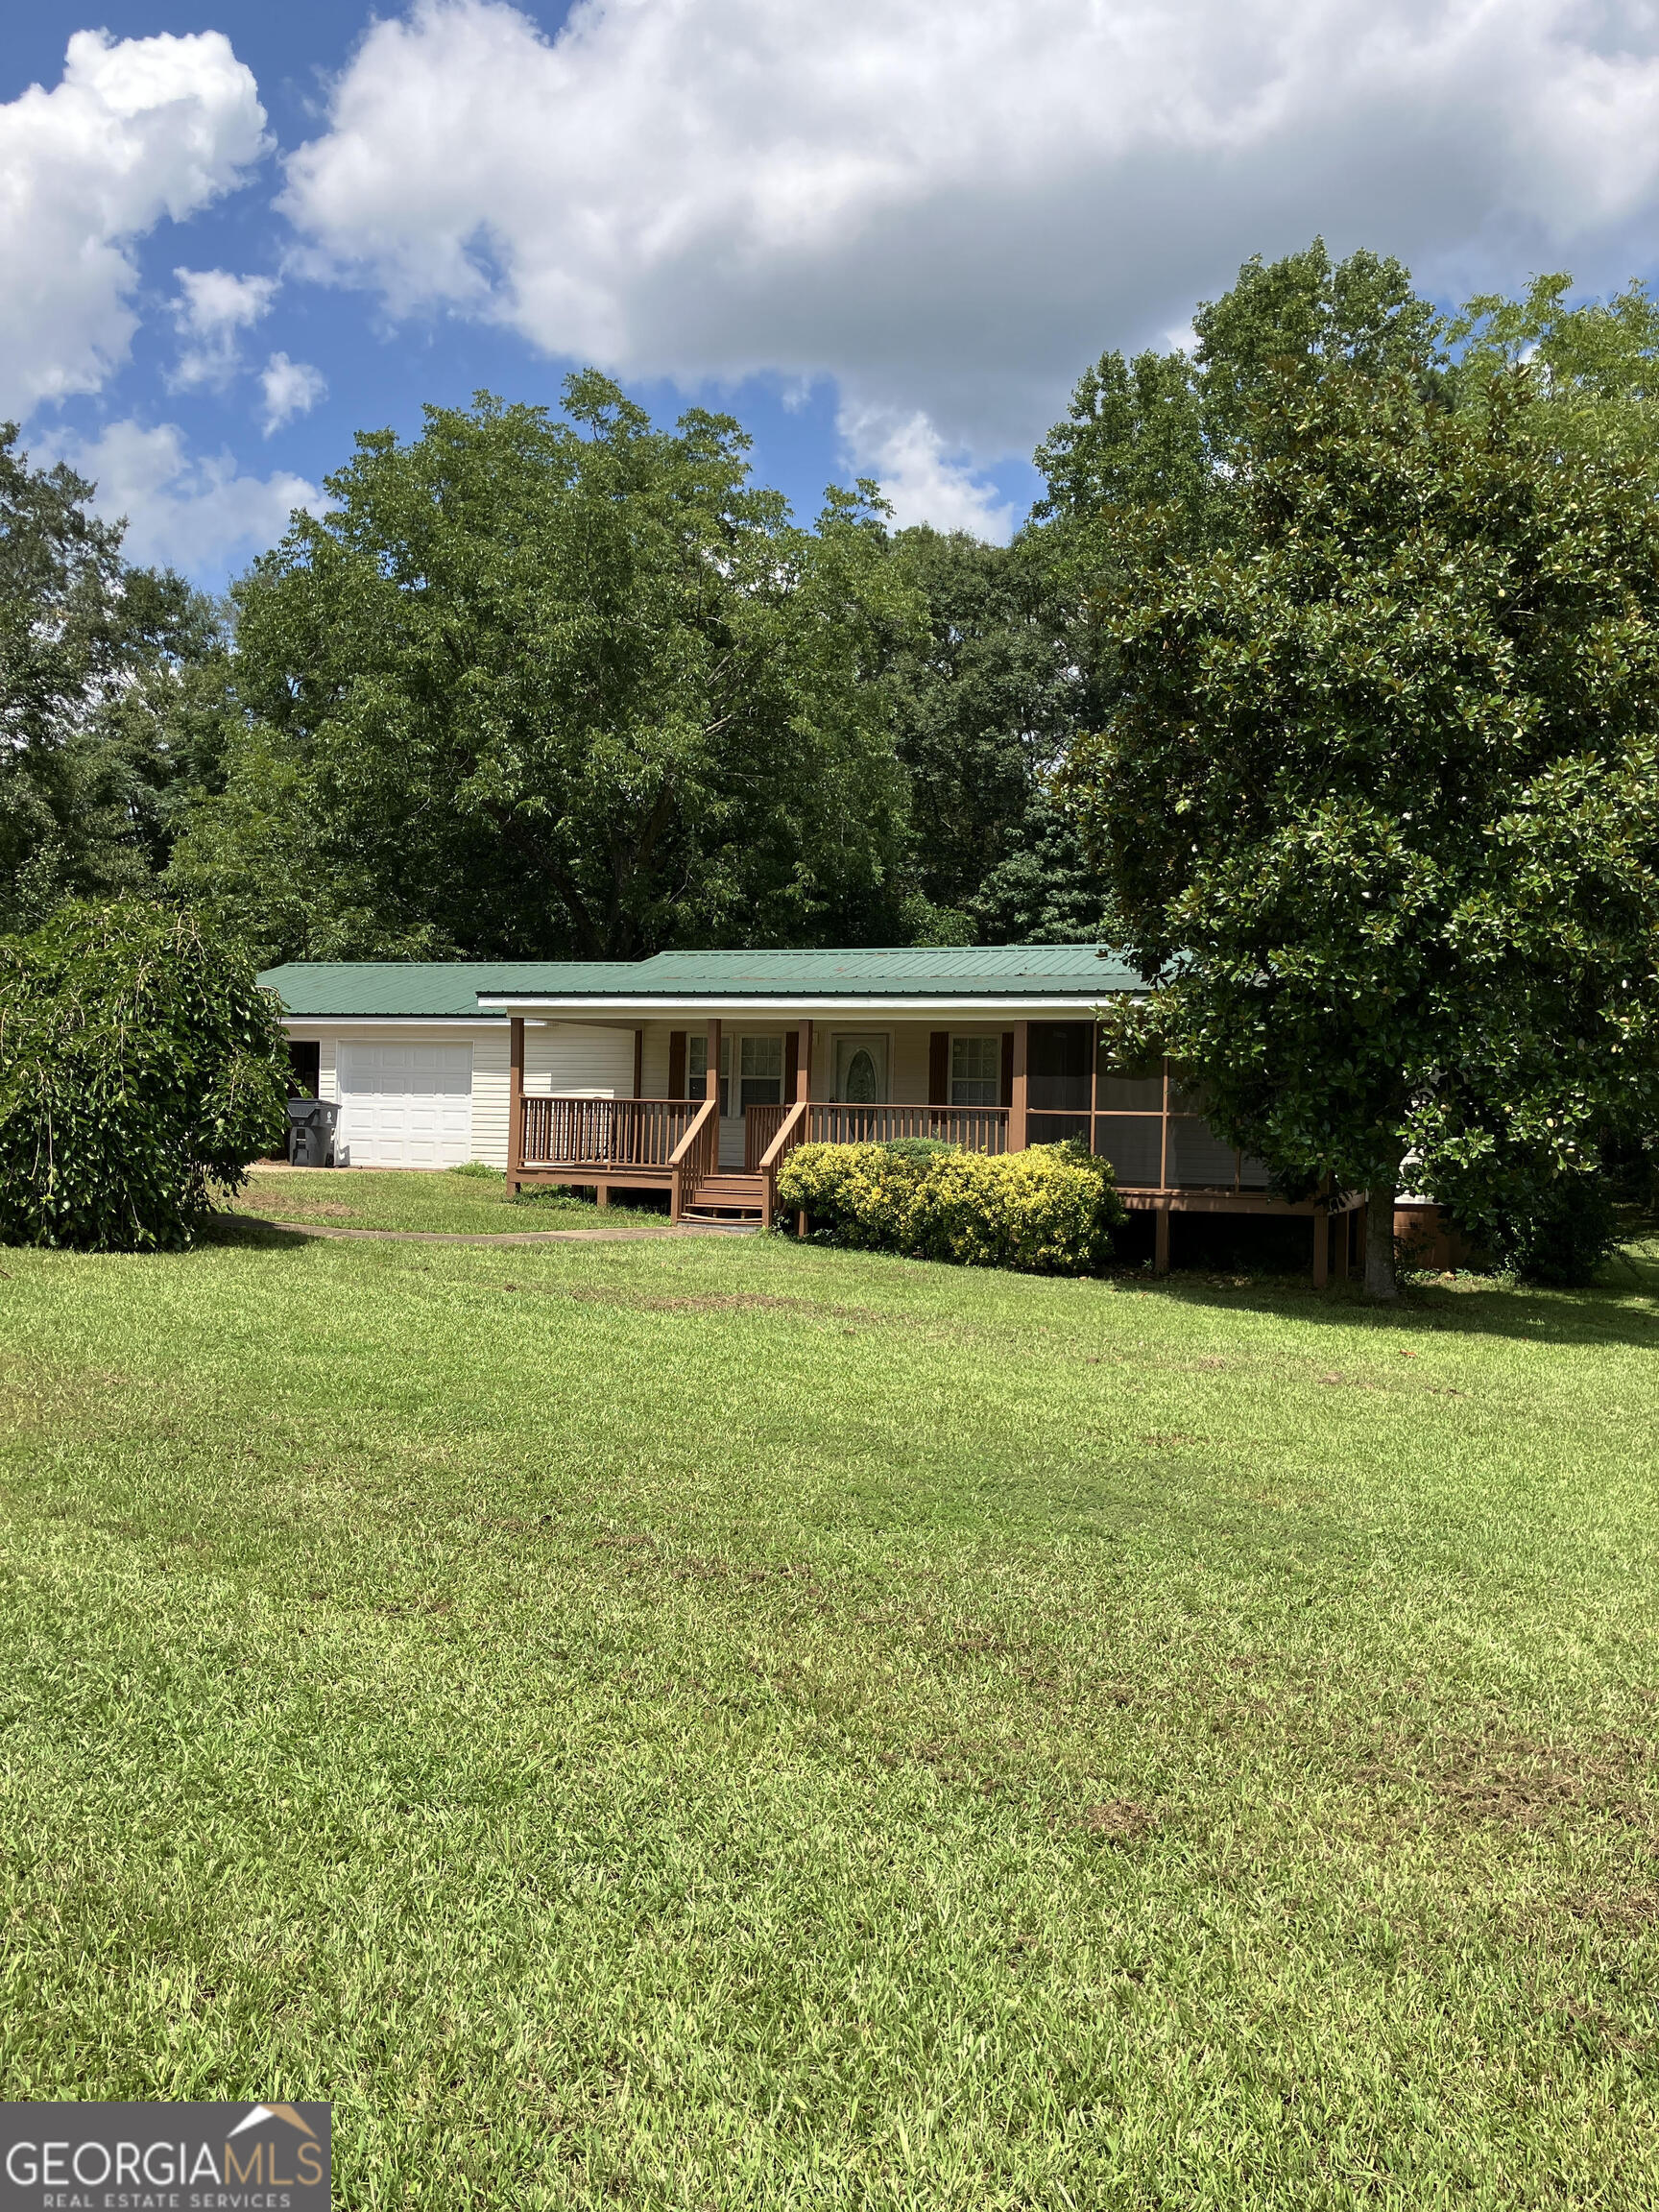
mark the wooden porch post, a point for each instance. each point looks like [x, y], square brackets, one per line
[802, 1092]
[711, 1081]
[1163, 1135]
[515, 1100]
[1094, 1086]
[1017, 1109]
[1161, 1240]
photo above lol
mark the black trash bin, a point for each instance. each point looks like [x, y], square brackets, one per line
[311, 1126]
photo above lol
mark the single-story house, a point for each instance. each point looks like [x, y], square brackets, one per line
[597, 1074]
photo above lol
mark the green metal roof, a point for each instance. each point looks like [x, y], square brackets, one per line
[435, 991]
[429, 989]
[898, 971]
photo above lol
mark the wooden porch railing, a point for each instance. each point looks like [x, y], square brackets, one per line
[761, 1125]
[976, 1128]
[603, 1132]
[697, 1154]
[790, 1130]
[613, 1135]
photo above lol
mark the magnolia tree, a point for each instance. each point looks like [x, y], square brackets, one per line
[1376, 777]
[141, 1070]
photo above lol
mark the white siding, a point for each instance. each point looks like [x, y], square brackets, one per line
[490, 1057]
[579, 1060]
[653, 1077]
[909, 1050]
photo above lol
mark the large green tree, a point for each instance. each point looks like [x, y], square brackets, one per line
[107, 673]
[544, 686]
[1593, 367]
[1378, 783]
[1172, 432]
[986, 705]
[1166, 435]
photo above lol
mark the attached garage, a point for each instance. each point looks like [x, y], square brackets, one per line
[405, 1105]
[419, 1069]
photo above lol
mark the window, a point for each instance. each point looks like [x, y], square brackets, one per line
[760, 1072]
[975, 1070]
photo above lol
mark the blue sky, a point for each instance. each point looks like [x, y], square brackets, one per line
[887, 234]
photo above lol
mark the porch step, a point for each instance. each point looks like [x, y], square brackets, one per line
[728, 1192]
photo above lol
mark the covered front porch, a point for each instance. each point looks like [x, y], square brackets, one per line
[716, 1150]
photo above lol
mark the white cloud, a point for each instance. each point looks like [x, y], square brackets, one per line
[922, 482]
[291, 388]
[212, 310]
[952, 205]
[189, 511]
[138, 129]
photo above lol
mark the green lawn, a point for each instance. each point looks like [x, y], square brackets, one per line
[416, 1198]
[729, 1724]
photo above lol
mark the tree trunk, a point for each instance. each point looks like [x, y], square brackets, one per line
[1381, 1280]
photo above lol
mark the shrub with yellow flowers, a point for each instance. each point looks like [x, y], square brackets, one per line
[1050, 1209]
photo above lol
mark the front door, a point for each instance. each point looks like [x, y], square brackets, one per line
[861, 1070]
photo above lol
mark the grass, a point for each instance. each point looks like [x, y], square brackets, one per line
[714, 1724]
[468, 1200]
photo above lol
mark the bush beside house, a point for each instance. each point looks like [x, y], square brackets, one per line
[1559, 1233]
[1049, 1211]
[141, 1067]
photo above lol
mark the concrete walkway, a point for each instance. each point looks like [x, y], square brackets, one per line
[515, 1236]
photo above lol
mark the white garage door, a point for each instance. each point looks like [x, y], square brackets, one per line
[406, 1105]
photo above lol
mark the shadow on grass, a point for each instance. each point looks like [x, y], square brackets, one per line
[1601, 1314]
[212, 1230]
[249, 1231]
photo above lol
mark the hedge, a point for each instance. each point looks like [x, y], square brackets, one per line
[1050, 1209]
[141, 1070]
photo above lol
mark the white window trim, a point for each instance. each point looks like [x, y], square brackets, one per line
[992, 1038]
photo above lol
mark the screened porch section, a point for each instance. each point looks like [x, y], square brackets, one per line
[1151, 1129]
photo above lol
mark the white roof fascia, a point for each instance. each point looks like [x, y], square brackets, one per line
[388, 1021]
[866, 1009]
